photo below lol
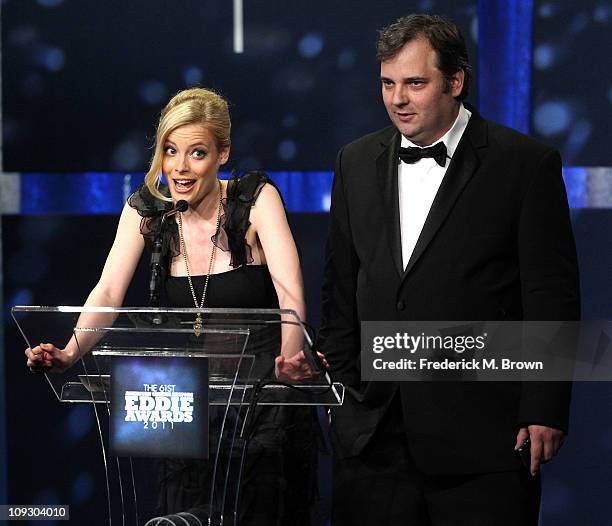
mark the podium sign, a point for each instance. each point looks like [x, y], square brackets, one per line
[159, 407]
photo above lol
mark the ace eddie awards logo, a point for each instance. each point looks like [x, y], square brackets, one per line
[159, 406]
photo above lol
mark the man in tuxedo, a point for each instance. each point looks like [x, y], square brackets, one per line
[442, 216]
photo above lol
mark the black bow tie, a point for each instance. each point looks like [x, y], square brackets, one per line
[412, 154]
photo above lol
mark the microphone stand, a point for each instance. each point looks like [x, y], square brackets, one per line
[156, 254]
[156, 259]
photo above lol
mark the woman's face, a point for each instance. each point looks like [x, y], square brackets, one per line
[191, 163]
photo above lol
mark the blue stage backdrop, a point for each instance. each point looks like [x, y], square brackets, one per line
[572, 85]
[106, 192]
[84, 82]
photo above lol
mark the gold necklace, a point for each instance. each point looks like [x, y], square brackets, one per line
[197, 324]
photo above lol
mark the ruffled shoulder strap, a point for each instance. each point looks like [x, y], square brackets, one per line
[147, 204]
[242, 193]
[151, 209]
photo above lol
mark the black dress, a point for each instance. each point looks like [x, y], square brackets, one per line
[279, 477]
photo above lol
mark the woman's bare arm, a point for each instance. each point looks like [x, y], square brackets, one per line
[270, 222]
[110, 290]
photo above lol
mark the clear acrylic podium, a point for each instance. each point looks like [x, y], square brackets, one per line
[158, 390]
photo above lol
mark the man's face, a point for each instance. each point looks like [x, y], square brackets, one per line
[413, 93]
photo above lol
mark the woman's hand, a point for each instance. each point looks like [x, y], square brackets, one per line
[47, 358]
[296, 368]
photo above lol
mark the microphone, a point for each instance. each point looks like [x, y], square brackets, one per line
[180, 206]
[156, 253]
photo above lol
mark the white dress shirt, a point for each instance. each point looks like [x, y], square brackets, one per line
[418, 184]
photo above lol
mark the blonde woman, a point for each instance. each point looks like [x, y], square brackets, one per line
[232, 247]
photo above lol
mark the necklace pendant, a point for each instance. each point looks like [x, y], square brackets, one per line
[197, 325]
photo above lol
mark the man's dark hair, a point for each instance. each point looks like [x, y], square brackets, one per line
[444, 37]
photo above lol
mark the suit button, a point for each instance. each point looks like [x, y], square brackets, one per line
[401, 305]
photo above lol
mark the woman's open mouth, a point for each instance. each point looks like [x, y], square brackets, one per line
[183, 185]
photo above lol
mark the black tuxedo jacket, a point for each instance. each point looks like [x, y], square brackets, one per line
[497, 245]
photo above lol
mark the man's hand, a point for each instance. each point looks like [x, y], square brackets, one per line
[545, 444]
[296, 368]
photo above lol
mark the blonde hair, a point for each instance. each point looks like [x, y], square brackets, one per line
[190, 106]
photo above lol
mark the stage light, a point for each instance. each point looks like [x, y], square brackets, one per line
[290, 120]
[153, 92]
[346, 59]
[128, 155]
[310, 45]
[552, 118]
[50, 3]
[602, 13]
[83, 488]
[544, 56]
[80, 422]
[192, 75]
[287, 149]
[547, 10]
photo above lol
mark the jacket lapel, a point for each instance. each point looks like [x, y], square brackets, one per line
[463, 165]
[386, 170]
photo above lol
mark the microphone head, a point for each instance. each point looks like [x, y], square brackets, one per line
[182, 205]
